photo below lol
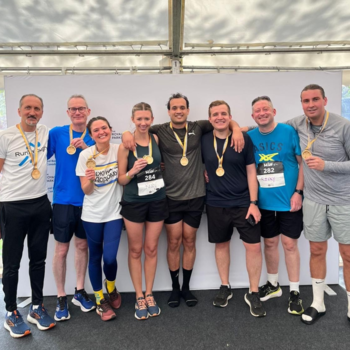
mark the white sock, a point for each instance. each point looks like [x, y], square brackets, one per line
[348, 293]
[318, 293]
[273, 278]
[9, 313]
[35, 307]
[294, 286]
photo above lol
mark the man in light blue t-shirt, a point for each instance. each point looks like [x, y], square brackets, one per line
[66, 142]
[280, 175]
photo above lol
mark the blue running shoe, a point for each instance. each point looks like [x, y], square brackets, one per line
[82, 300]
[41, 318]
[62, 313]
[141, 311]
[153, 308]
[15, 325]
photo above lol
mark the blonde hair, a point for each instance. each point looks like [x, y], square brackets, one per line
[141, 106]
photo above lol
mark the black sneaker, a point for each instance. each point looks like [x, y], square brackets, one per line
[268, 291]
[295, 303]
[256, 306]
[224, 295]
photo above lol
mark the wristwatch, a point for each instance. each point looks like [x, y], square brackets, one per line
[301, 192]
[254, 202]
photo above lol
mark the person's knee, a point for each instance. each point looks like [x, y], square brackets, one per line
[254, 248]
[189, 243]
[135, 252]
[174, 243]
[270, 244]
[151, 251]
[318, 250]
[81, 245]
[345, 253]
[290, 246]
[61, 250]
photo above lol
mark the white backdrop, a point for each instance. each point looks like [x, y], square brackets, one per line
[114, 96]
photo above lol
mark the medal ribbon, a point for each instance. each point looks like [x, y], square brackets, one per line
[71, 134]
[33, 155]
[97, 154]
[220, 159]
[183, 145]
[149, 148]
[309, 143]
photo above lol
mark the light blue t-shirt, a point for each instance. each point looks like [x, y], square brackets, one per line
[67, 188]
[276, 153]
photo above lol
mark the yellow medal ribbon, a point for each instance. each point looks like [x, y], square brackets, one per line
[71, 149]
[90, 163]
[307, 153]
[34, 157]
[148, 156]
[220, 170]
[184, 159]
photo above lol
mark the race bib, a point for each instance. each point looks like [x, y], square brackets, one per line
[271, 174]
[149, 181]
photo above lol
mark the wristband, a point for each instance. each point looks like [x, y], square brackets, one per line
[127, 176]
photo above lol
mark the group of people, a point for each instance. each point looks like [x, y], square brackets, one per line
[271, 182]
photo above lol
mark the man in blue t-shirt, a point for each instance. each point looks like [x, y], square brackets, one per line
[66, 142]
[232, 194]
[280, 175]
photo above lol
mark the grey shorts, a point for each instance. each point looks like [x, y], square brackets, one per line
[320, 220]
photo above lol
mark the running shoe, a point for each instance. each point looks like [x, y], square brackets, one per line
[41, 318]
[224, 295]
[295, 303]
[268, 291]
[256, 306]
[115, 298]
[152, 307]
[83, 300]
[141, 311]
[15, 325]
[105, 311]
[62, 313]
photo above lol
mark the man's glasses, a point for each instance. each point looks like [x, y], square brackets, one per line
[80, 109]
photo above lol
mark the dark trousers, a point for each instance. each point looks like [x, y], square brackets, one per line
[18, 219]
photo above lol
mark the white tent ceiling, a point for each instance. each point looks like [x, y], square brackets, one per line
[113, 36]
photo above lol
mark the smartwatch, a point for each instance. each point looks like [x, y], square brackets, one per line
[301, 192]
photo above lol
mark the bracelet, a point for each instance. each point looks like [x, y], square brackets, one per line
[127, 176]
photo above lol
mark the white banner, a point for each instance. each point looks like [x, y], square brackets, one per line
[114, 96]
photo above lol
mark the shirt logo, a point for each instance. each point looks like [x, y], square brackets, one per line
[27, 157]
[267, 157]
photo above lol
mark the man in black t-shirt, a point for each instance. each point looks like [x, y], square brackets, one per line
[232, 202]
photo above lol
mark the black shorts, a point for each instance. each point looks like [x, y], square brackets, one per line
[145, 211]
[222, 221]
[190, 211]
[288, 223]
[66, 221]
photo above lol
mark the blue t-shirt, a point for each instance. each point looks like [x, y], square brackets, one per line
[230, 190]
[280, 146]
[67, 188]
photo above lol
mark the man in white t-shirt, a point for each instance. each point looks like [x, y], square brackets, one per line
[25, 211]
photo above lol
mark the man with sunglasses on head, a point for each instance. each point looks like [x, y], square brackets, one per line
[66, 142]
[280, 175]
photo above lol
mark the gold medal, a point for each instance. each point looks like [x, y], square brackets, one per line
[148, 158]
[71, 149]
[220, 171]
[36, 174]
[184, 161]
[90, 163]
[306, 154]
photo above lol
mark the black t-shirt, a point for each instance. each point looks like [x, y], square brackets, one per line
[230, 190]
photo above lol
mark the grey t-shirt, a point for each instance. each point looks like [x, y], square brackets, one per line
[332, 185]
[182, 182]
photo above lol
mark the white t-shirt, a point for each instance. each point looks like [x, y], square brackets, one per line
[102, 205]
[16, 182]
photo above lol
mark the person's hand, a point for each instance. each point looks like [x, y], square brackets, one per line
[79, 143]
[138, 166]
[237, 140]
[296, 202]
[206, 177]
[254, 210]
[128, 141]
[315, 163]
[90, 174]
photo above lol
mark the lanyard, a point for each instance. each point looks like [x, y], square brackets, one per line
[33, 155]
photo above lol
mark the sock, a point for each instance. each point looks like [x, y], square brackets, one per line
[35, 307]
[174, 299]
[186, 279]
[273, 278]
[78, 290]
[110, 286]
[175, 278]
[190, 299]
[99, 296]
[9, 313]
[318, 294]
[348, 293]
[294, 286]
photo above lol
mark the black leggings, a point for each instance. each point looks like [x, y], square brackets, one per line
[18, 219]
